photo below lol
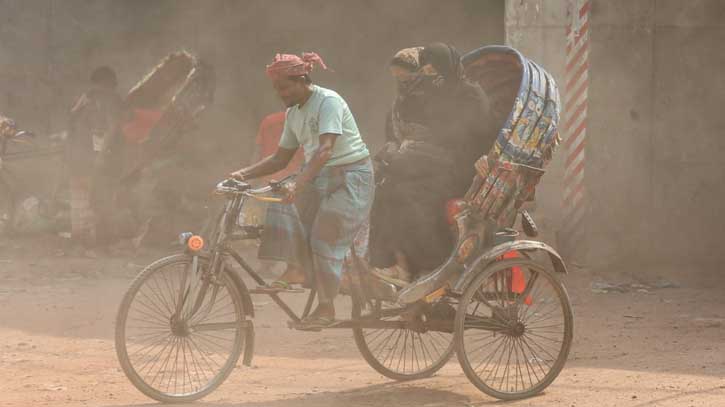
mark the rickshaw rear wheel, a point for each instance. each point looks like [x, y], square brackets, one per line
[512, 340]
[401, 354]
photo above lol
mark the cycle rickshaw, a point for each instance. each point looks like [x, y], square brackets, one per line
[17, 145]
[497, 302]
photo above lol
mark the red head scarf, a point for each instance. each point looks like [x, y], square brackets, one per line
[292, 65]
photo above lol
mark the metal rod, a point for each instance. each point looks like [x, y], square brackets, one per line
[287, 310]
[442, 326]
[220, 326]
[243, 264]
[308, 306]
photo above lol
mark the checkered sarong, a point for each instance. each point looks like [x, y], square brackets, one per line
[317, 232]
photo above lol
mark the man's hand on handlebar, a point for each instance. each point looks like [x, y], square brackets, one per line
[285, 189]
[239, 175]
[289, 192]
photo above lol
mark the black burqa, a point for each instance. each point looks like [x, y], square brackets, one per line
[439, 126]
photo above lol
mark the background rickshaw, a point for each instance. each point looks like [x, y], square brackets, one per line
[17, 148]
[497, 302]
[165, 105]
[164, 108]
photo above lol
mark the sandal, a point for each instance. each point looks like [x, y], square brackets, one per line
[280, 285]
[315, 323]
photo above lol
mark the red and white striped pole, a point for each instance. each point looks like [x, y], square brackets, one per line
[574, 129]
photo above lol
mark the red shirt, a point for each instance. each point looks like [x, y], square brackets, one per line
[270, 131]
[139, 128]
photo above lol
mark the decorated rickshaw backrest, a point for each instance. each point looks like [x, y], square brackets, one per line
[178, 88]
[165, 104]
[526, 100]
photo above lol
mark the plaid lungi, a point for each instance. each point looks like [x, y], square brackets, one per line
[318, 230]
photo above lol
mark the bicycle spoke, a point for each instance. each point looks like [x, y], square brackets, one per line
[529, 368]
[402, 351]
[154, 341]
[498, 364]
[155, 359]
[536, 358]
[491, 356]
[384, 344]
[392, 349]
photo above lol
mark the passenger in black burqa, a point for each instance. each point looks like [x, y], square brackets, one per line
[440, 124]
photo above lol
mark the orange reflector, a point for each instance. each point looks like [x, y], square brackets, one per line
[517, 281]
[195, 243]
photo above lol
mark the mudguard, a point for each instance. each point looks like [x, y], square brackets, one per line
[490, 255]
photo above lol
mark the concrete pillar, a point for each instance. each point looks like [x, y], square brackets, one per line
[654, 166]
[538, 29]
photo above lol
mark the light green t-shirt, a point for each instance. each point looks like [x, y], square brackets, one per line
[324, 112]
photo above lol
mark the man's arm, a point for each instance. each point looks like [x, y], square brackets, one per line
[274, 163]
[318, 160]
[330, 127]
[288, 146]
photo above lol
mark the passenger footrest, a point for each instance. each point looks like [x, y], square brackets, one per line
[336, 324]
[274, 290]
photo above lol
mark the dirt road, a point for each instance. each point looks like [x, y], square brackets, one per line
[643, 347]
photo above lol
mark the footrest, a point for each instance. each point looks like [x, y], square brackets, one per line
[336, 324]
[273, 290]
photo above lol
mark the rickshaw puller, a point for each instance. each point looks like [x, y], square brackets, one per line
[331, 198]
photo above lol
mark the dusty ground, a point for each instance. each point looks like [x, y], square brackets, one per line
[653, 347]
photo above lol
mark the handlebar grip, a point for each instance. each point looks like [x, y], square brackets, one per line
[268, 199]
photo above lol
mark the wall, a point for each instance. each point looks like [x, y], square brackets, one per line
[537, 29]
[48, 47]
[655, 166]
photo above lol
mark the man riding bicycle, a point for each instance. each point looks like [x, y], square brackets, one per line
[331, 198]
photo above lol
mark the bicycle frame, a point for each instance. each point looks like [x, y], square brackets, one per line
[224, 233]
[220, 237]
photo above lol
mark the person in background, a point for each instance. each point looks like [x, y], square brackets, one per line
[266, 143]
[94, 157]
[438, 128]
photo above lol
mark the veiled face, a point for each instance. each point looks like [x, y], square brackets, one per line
[401, 74]
[428, 70]
[405, 78]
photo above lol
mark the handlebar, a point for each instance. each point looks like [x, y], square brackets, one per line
[235, 187]
[24, 133]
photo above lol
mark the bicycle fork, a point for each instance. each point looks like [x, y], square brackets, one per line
[208, 280]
